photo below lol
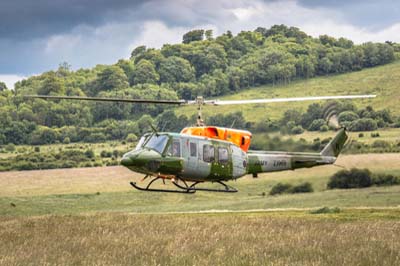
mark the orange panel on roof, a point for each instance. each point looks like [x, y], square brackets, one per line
[242, 138]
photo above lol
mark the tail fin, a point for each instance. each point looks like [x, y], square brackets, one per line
[335, 146]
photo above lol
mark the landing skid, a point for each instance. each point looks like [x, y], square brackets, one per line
[147, 188]
[183, 188]
[227, 189]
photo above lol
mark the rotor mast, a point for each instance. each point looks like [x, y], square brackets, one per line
[200, 103]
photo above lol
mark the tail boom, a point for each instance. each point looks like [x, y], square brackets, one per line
[271, 161]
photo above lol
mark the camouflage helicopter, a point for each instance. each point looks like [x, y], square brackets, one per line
[201, 153]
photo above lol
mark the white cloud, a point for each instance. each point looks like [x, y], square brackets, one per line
[10, 80]
[155, 34]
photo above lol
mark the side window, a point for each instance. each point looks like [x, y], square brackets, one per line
[208, 153]
[174, 149]
[222, 155]
[193, 149]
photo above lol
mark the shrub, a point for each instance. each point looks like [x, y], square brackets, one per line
[361, 135]
[316, 124]
[106, 154]
[380, 144]
[324, 128]
[280, 188]
[385, 180]
[347, 116]
[302, 188]
[375, 135]
[131, 137]
[10, 147]
[297, 130]
[95, 137]
[89, 154]
[37, 149]
[66, 140]
[354, 178]
[325, 210]
[363, 124]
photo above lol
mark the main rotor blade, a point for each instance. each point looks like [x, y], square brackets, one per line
[101, 99]
[279, 100]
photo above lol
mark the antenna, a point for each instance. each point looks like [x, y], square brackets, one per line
[153, 129]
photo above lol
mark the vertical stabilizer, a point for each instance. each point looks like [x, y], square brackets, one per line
[335, 146]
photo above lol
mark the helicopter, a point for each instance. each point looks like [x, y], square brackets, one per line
[201, 153]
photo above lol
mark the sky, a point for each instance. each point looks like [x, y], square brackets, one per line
[36, 36]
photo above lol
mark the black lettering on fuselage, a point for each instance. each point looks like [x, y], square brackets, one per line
[261, 162]
[279, 163]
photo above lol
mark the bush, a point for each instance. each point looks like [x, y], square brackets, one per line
[89, 154]
[324, 128]
[355, 178]
[363, 124]
[131, 137]
[280, 188]
[316, 124]
[36, 149]
[325, 210]
[302, 188]
[106, 154]
[375, 135]
[297, 130]
[10, 147]
[385, 180]
[380, 144]
[361, 135]
[66, 140]
[95, 137]
[347, 116]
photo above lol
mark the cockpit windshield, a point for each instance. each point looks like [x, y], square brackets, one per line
[140, 143]
[157, 143]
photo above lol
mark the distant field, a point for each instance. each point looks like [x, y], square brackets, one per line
[388, 134]
[383, 81]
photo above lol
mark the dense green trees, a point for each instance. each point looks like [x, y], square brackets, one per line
[201, 65]
[3, 86]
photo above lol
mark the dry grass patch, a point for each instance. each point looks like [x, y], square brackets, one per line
[228, 239]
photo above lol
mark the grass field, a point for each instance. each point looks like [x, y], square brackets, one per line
[73, 191]
[275, 238]
[383, 81]
[388, 134]
[91, 216]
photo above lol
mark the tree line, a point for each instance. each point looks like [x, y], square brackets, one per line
[201, 65]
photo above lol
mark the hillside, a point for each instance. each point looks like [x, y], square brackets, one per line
[201, 65]
[382, 80]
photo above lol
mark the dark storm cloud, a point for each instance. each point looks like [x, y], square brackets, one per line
[25, 19]
[373, 14]
[36, 35]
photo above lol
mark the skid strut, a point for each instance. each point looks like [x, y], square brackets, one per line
[226, 189]
[147, 188]
[183, 188]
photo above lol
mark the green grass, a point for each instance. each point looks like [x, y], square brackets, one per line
[383, 81]
[91, 216]
[388, 134]
[269, 238]
[74, 191]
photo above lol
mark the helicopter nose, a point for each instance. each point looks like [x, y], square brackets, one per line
[126, 161]
[139, 159]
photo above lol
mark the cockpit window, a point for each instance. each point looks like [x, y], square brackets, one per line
[140, 143]
[157, 143]
[174, 149]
